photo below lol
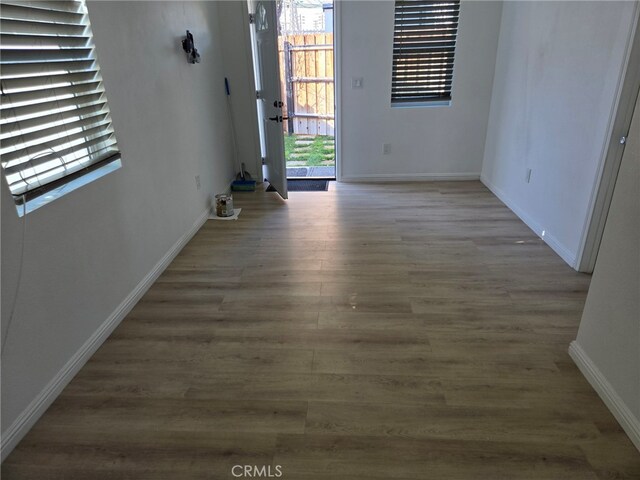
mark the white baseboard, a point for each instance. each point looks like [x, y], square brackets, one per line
[627, 420]
[566, 254]
[420, 177]
[30, 415]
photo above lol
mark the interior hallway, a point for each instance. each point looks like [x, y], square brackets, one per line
[403, 331]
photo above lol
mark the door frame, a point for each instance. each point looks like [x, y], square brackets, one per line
[337, 112]
[337, 85]
[619, 126]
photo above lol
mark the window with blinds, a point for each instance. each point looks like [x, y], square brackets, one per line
[55, 125]
[424, 43]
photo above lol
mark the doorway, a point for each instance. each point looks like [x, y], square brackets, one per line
[293, 58]
[306, 58]
[304, 63]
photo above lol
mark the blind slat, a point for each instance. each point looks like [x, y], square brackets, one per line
[55, 5]
[438, 14]
[22, 157]
[425, 7]
[13, 100]
[12, 40]
[38, 83]
[413, 43]
[425, 17]
[43, 121]
[54, 116]
[424, 43]
[38, 138]
[426, 58]
[421, 81]
[28, 112]
[427, 27]
[27, 27]
[424, 49]
[419, 88]
[438, 89]
[429, 63]
[440, 32]
[26, 70]
[422, 96]
[418, 6]
[56, 155]
[413, 99]
[44, 55]
[26, 13]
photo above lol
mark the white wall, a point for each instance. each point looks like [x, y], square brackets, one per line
[426, 142]
[87, 251]
[234, 29]
[609, 336]
[558, 71]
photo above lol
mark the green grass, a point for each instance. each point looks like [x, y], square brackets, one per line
[289, 144]
[313, 154]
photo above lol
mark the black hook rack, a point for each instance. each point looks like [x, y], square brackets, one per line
[188, 46]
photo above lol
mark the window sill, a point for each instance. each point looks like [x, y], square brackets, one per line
[438, 103]
[69, 187]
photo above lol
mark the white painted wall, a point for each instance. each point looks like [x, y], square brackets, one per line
[238, 65]
[85, 252]
[558, 71]
[426, 142]
[609, 336]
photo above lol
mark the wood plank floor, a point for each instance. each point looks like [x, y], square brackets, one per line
[406, 331]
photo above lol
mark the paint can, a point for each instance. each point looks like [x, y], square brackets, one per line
[224, 205]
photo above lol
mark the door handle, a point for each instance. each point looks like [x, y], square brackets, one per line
[278, 118]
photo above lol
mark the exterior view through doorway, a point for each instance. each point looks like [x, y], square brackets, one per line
[306, 59]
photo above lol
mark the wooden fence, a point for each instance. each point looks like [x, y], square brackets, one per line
[306, 70]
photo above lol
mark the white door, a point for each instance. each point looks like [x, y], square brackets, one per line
[268, 85]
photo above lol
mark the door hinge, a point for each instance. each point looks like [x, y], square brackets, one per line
[258, 97]
[264, 161]
[252, 18]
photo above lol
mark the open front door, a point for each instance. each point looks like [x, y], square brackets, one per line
[265, 50]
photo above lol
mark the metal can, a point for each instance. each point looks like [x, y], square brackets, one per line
[224, 205]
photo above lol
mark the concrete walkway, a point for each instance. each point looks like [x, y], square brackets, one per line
[302, 172]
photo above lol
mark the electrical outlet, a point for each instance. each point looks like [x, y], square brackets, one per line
[197, 182]
[527, 175]
[386, 148]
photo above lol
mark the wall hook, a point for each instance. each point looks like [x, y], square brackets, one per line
[189, 46]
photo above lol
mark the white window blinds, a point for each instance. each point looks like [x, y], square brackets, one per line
[55, 124]
[424, 43]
